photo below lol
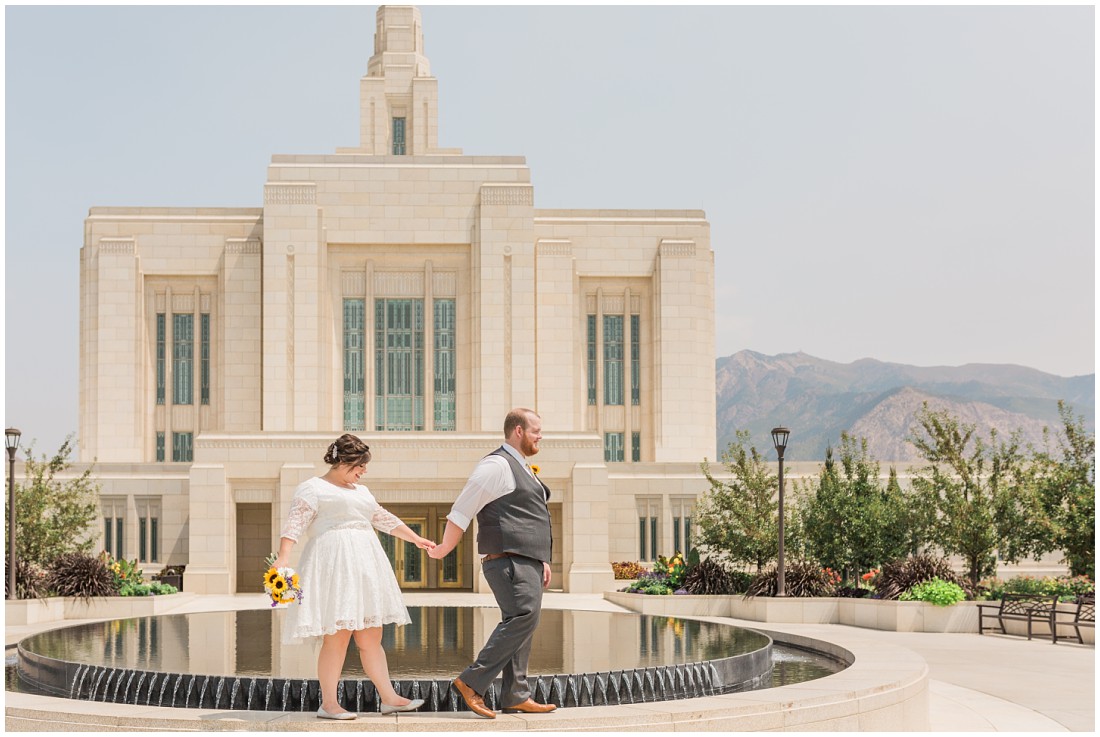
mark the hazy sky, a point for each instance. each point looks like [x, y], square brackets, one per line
[912, 184]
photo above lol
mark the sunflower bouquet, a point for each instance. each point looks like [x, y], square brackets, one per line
[282, 585]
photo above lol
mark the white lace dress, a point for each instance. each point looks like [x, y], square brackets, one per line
[346, 579]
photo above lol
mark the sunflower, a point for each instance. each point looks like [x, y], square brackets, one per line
[278, 586]
[294, 581]
[534, 469]
[270, 576]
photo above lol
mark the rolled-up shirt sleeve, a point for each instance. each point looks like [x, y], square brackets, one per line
[490, 480]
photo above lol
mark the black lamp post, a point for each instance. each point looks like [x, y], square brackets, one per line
[11, 439]
[779, 437]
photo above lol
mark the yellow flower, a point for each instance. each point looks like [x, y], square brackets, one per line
[278, 585]
[534, 469]
[294, 581]
[270, 576]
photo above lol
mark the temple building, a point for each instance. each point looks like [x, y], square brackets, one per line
[411, 295]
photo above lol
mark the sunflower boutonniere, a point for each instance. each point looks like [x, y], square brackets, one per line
[535, 469]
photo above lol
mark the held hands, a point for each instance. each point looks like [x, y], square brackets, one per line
[437, 552]
[425, 544]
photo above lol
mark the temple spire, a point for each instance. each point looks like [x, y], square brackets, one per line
[398, 97]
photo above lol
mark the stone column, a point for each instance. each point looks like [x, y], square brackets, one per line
[239, 347]
[684, 371]
[112, 355]
[503, 314]
[292, 268]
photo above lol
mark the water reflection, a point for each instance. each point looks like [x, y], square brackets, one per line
[438, 643]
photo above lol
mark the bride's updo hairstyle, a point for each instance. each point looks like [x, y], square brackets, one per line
[347, 449]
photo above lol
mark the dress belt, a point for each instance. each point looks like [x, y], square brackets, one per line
[495, 556]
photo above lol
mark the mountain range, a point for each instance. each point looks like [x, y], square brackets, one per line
[819, 399]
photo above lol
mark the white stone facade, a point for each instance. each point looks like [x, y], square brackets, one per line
[242, 341]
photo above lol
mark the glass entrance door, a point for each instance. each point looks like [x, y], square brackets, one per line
[409, 562]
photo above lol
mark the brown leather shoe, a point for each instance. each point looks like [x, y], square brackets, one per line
[530, 707]
[473, 700]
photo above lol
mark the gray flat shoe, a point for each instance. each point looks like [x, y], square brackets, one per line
[411, 706]
[343, 716]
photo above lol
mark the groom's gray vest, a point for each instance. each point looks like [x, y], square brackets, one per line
[518, 522]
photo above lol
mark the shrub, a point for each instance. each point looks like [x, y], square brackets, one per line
[852, 592]
[675, 567]
[125, 572]
[153, 588]
[897, 577]
[627, 570]
[800, 578]
[937, 591]
[30, 581]
[651, 582]
[709, 577]
[741, 581]
[81, 575]
[1064, 587]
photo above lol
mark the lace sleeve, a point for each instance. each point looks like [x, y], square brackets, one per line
[300, 517]
[384, 521]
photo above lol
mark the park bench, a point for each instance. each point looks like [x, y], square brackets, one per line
[1084, 615]
[1020, 608]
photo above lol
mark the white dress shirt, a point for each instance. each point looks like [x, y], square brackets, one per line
[492, 478]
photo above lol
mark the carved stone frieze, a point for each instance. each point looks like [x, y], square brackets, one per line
[507, 194]
[677, 249]
[251, 246]
[290, 194]
[117, 246]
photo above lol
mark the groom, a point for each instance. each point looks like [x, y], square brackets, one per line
[513, 539]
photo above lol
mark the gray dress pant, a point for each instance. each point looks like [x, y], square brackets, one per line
[517, 585]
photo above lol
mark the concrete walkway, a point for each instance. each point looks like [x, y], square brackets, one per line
[989, 683]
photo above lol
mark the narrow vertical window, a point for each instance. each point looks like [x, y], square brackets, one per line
[143, 549]
[636, 446]
[108, 536]
[204, 358]
[118, 538]
[399, 136]
[648, 509]
[183, 349]
[181, 447]
[154, 553]
[160, 357]
[354, 376]
[635, 360]
[399, 364]
[613, 447]
[160, 447]
[444, 362]
[613, 359]
[676, 535]
[591, 359]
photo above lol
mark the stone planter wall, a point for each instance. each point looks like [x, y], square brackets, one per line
[894, 616]
[35, 611]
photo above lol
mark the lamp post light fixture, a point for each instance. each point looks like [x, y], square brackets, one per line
[11, 439]
[779, 437]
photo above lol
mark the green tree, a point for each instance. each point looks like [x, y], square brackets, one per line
[739, 518]
[53, 516]
[1066, 491]
[853, 523]
[974, 492]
